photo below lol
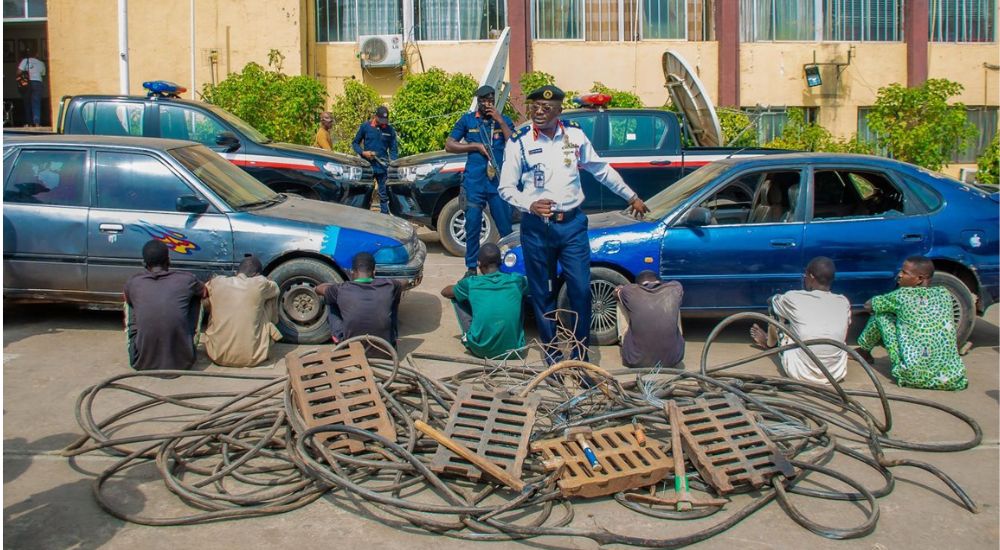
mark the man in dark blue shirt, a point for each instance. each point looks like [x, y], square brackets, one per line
[485, 132]
[379, 146]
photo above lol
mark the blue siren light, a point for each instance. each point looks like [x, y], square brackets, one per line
[163, 88]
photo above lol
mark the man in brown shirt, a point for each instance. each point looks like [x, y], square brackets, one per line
[323, 139]
[649, 321]
[243, 310]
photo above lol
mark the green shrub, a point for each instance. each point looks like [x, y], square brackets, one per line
[801, 136]
[918, 125]
[356, 105]
[282, 107]
[989, 163]
[737, 130]
[426, 106]
[619, 98]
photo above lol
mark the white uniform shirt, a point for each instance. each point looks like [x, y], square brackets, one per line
[813, 314]
[34, 68]
[550, 169]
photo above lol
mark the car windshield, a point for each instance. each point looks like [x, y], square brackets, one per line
[231, 184]
[667, 200]
[240, 124]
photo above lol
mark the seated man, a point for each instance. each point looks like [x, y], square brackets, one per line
[488, 307]
[243, 310]
[810, 314]
[914, 323]
[649, 321]
[162, 308]
[364, 305]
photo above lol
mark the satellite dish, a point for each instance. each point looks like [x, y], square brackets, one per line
[689, 95]
[496, 71]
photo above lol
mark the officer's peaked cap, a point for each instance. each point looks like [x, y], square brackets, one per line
[547, 92]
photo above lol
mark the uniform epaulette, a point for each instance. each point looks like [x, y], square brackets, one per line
[570, 123]
[518, 134]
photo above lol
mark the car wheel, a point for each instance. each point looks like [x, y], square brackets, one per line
[301, 312]
[451, 228]
[963, 307]
[604, 306]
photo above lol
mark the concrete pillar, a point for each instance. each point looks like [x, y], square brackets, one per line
[519, 62]
[915, 33]
[727, 30]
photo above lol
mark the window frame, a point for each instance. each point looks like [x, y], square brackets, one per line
[992, 21]
[87, 194]
[910, 199]
[413, 23]
[819, 23]
[405, 21]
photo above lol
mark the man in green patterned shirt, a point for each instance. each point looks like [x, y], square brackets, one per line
[914, 323]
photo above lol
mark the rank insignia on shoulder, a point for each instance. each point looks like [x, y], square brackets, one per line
[520, 133]
[571, 123]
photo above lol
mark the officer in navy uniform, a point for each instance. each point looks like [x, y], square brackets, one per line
[380, 147]
[541, 177]
[485, 132]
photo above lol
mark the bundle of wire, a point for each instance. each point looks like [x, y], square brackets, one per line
[245, 453]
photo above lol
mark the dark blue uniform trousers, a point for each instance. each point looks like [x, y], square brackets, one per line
[476, 199]
[383, 193]
[545, 244]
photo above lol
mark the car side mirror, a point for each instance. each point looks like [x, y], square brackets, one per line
[192, 204]
[228, 140]
[697, 217]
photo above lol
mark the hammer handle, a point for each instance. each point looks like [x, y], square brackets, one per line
[483, 464]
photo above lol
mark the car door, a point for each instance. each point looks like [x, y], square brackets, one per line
[636, 143]
[751, 248]
[867, 223]
[45, 203]
[136, 200]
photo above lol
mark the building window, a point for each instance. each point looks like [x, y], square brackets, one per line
[985, 121]
[770, 121]
[866, 135]
[622, 20]
[863, 20]
[24, 9]
[962, 20]
[346, 20]
[458, 19]
[766, 20]
[557, 19]
[664, 19]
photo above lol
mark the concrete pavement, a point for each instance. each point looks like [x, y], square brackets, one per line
[51, 353]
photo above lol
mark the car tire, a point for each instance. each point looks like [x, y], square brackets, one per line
[451, 228]
[604, 306]
[964, 311]
[301, 312]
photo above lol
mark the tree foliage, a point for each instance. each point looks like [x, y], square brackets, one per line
[282, 107]
[918, 125]
[619, 98]
[737, 130]
[989, 163]
[799, 135]
[426, 106]
[356, 105]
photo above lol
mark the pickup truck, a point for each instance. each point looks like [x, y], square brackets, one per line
[287, 168]
[644, 145]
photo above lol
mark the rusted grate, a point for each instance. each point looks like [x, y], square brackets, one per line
[727, 447]
[493, 426]
[624, 464]
[338, 387]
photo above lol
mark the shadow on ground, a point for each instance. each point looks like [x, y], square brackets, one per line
[26, 320]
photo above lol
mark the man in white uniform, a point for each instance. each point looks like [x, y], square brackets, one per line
[810, 314]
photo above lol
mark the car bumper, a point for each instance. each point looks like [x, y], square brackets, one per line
[404, 204]
[412, 273]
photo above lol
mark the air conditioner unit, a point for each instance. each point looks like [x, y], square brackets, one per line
[381, 50]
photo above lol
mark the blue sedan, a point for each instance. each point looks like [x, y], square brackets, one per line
[738, 231]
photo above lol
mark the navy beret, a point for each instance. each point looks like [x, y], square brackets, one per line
[547, 92]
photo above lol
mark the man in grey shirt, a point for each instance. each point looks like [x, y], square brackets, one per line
[649, 321]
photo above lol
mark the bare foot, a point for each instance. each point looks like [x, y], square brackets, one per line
[865, 354]
[759, 336]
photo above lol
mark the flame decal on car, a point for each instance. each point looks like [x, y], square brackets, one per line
[175, 240]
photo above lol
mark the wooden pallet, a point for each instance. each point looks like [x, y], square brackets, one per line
[338, 388]
[727, 447]
[493, 426]
[625, 465]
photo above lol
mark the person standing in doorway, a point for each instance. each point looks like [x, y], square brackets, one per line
[484, 133]
[376, 141]
[32, 95]
[541, 177]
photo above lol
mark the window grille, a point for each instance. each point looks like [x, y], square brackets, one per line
[767, 20]
[459, 19]
[962, 20]
[345, 20]
[863, 20]
[985, 121]
[771, 121]
[557, 19]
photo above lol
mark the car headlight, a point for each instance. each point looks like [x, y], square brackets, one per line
[411, 173]
[393, 255]
[510, 259]
[350, 173]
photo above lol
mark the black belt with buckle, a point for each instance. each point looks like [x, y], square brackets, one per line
[563, 217]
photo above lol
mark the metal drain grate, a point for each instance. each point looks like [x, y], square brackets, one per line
[338, 388]
[727, 446]
[493, 426]
[625, 465]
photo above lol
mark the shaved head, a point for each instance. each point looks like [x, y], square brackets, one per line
[822, 270]
[921, 265]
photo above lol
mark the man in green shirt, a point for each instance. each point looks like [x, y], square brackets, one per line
[488, 307]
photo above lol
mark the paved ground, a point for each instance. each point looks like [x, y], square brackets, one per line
[51, 353]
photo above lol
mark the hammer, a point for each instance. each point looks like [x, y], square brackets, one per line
[577, 434]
